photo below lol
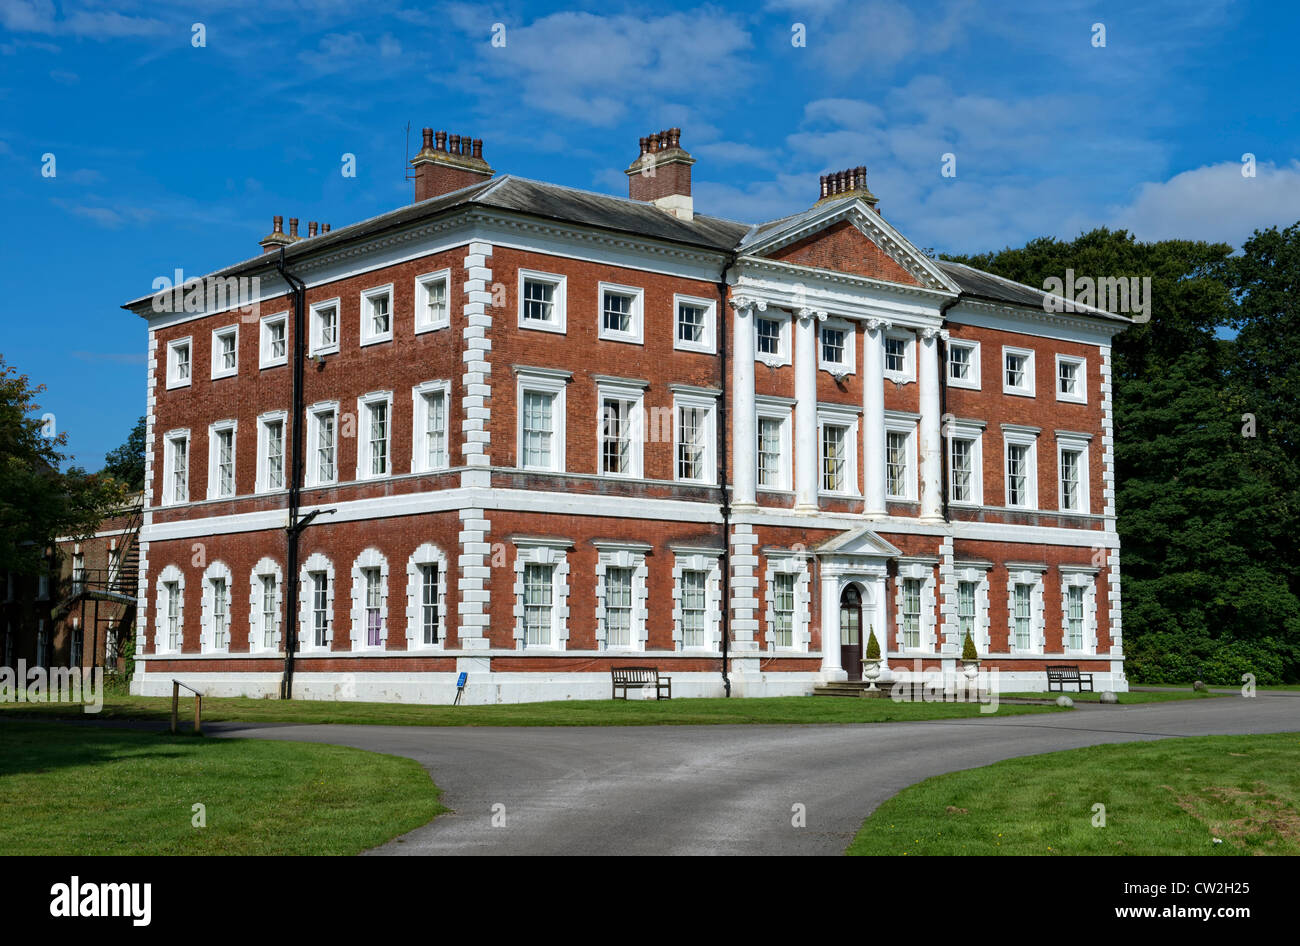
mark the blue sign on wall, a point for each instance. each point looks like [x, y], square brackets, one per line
[460, 682]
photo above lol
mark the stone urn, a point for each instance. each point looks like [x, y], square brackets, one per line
[871, 672]
[970, 668]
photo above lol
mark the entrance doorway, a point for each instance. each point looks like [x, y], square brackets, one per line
[851, 632]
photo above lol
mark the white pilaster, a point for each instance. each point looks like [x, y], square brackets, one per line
[831, 669]
[873, 416]
[930, 440]
[805, 411]
[743, 434]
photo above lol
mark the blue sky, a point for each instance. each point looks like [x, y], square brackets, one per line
[169, 155]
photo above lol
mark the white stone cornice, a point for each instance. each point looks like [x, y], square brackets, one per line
[1032, 320]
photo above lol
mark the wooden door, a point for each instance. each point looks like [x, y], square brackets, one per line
[851, 632]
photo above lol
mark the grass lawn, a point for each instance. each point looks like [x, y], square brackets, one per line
[100, 790]
[1173, 796]
[1124, 698]
[682, 712]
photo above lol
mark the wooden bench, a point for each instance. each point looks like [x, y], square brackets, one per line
[640, 678]
[1062, 674]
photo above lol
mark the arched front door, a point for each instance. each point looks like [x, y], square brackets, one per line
[851, 632]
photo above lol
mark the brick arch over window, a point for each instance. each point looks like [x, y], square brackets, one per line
[426, 554]
[217, 570]
[160, 642]
[370, 558]
[316, 562]
[265, 567]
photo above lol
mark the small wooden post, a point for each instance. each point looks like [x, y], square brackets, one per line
[176, 700]
[198, 714]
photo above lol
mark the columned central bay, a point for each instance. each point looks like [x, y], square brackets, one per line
[805, 410]
[873, 417]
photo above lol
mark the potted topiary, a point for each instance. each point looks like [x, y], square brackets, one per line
[970, 658]
[871, 660]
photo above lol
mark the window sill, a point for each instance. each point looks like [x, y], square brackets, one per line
[422, 329]
[555, 328]
[376, 340]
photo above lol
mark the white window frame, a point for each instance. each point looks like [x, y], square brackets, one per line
[848, 366]
[778, 409]
[555, 554]
[555, 384]
[314, 413]
[170, 439]
[636, 333]
[214, 456]
[834, 415]
[908, 374]
[972, 431]
[420, 426]
[632, 392]
[219, 335]
[1021, 436]
[785, 562]
[782, 354]
[422, 284]
[971, 383]
[265, 568]
[708, 344]
[1079, 576]
[161, 643]
[897, 423]
[173, 379]
[631, 555]
[1032, 575]
[316, 562]
[364, 417]
[425, 555]
[1081, 365]
[558, 322]
[921, 570]
[707, 561]
[265, 357]
[684, 397]
[368, 297]
[1026, 389]
[317, 347]
[207, 637]
[264, 451]
[1080, 443]
[976, 573]
[368, 559]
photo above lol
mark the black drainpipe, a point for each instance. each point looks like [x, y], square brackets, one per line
[723, 325]
[295, 527]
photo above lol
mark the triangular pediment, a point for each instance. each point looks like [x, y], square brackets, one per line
[860, 541]
[847, 236]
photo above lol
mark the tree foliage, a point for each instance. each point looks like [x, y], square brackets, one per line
[1207, 512]
[38, 503]
[126, 463]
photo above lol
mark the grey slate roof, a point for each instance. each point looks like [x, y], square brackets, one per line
[975, 283]
[605, 212]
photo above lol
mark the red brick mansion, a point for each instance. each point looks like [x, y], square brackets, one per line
[536, 432]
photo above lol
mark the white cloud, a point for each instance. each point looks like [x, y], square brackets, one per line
[38, 16]
[1214, 203]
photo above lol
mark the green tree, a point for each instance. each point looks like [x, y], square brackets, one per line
[38, 503]
[126, 463]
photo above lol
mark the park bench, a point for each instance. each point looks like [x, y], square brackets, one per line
[640, 678]
[1058, 676]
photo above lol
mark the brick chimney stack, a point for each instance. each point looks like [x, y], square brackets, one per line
[444, 165]
[277, 237]
[848, 183]
[661, 174]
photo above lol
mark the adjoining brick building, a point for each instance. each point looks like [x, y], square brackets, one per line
[549, 432]
[79, 611]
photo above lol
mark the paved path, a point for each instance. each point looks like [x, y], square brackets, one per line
[727, 789]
